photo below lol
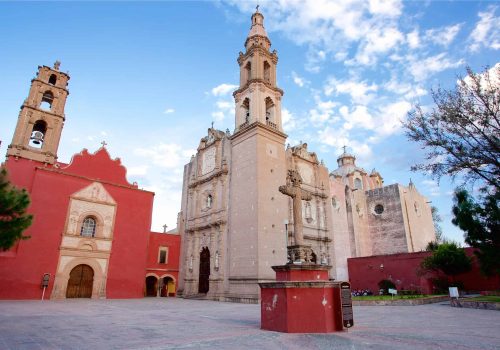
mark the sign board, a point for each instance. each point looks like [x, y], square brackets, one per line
[453, 292]
[393, 291]
[346, 302]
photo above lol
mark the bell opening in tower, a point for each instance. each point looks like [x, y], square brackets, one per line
[47, 99]
[38, 134]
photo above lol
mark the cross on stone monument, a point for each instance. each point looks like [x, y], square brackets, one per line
[165, 228]
[103, 143]
[292, 189]
[345, 148]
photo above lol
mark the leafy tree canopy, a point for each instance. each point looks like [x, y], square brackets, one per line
[13, 216]
[481, 224]
[448, 258]
[461, 135]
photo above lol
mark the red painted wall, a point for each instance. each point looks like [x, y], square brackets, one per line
[171, 268]
[366, 272]
[22, 268]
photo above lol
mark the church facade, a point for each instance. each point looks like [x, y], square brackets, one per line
[90, 236]
[234, 222]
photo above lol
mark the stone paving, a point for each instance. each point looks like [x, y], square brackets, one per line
[170, 323]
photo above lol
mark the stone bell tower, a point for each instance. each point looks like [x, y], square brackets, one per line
[256, 235]
[41, 118]
[258, 99]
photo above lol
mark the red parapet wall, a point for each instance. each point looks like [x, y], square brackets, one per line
[366, 272]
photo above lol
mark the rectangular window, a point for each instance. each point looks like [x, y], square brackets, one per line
[163, 255]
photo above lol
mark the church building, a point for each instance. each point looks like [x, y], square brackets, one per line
[90, 236]
[234, 222]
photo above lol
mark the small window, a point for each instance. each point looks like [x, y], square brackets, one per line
[379, 209]
[209, 201]
[163, 255]
[267, 72]
[358, 184]
[47, 99]
[53, 79]
[248, 70]
[88, 227]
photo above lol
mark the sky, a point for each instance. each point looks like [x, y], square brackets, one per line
[149, 78]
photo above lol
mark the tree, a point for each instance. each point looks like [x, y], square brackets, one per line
[462, 133]
[481, 224]
[437, 219]
[13, 216]
[449, 259]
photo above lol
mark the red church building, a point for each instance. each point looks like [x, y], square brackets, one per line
[90, 235]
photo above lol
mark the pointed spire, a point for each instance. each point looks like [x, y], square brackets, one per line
[257, 34]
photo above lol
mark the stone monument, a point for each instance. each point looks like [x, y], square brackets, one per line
[303, 299]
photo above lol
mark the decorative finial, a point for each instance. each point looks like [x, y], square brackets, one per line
[212, 124]
[103, 143]
[57, 64]
[165, 228]
[257, 8]
[345, 149]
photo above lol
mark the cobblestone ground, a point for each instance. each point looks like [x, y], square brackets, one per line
[161, 323]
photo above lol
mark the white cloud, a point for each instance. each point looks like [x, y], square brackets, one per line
[413, 39]
[487, 31]
[358, 117]
[423, 68]
[137, 170]
[377, 41]
[224, 105]
[358, 90]
[323, 112]
[390, 117]
[431, 187]
[169, 110]
[391, 8]
[166, 155]
[223, 89]
[218, 116]
[298, 80]
[443, 36]
[288, 120]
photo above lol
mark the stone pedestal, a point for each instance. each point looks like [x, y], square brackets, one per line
[303, 300]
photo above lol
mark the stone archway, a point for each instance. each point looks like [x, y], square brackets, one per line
[203, 281]
[167, 284]
[151, 286]
[80, 282]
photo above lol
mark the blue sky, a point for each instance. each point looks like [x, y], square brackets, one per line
[150, 77]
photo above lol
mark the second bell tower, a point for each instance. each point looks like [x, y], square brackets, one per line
[41, 119]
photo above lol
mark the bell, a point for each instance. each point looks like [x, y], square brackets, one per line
[37, 137]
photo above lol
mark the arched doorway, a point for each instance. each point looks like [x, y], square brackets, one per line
[151, 286]
[203, 283]
[167, 287]
[80, 283]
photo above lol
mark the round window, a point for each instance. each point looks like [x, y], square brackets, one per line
[379, 209]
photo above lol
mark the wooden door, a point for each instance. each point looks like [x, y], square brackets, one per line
[203, 282]
[80, 283]
[151, 286]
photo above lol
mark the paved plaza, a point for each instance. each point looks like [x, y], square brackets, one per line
[171, 323]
